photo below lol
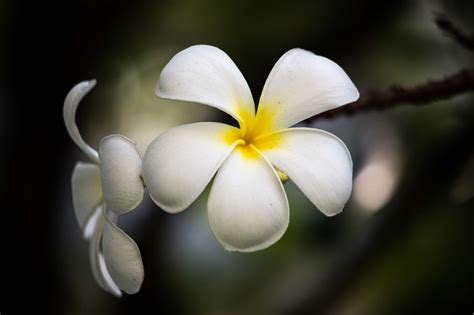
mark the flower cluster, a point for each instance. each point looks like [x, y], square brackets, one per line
[101, 191]
[247, 207]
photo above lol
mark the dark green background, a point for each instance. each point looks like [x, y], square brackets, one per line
[415, 255]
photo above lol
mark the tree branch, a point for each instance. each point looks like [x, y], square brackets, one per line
[438, 173]
[433, 90]
[461, 37]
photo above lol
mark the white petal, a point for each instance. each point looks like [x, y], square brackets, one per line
[90, 227]
[122, 258]
[71, 103]
[96, 259]
[318, 162]
[86, 191]
[205, 74]
[179, 164]
[120, 168]
[301, 85]
[247, 207]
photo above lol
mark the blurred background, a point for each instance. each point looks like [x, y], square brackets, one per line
[403, 244]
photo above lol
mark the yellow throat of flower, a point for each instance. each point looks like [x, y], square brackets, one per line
[256, 133]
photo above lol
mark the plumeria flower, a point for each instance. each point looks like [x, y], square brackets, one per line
[247, 207]
[101, 191]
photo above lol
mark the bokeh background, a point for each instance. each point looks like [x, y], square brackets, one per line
[403, 244]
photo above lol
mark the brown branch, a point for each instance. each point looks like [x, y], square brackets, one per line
[447, 157]
[461, 37]
[433, 90]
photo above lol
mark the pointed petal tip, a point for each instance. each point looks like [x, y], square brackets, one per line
[352, 95]
[117, 294]
[71, 103]
[92, 82]
[356, 94]
[87, 85]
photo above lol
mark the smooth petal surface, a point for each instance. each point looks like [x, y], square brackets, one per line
[179, 164]
[92, 222]
[205, 74]
[120, 168]
[318, 162]
[247, 207]
[301, 85]
[99, 269]
[86, 191]
[122, 258]
[71, 103]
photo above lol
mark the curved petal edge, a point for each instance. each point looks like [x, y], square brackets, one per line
[207, 75]
[248, 209]
[71, 104]
[123, 259]
[180, 163]
[120, 168]
[318, 162]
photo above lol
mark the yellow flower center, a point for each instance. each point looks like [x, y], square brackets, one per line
[255, 133]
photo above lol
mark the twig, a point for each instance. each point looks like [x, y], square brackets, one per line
[461, 37]
[413, 200]
[433, 90]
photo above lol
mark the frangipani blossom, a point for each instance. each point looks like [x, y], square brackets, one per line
[247, 208]
[102, 190]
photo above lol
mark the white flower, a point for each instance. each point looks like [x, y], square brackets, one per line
[247, 207]
[102, 190]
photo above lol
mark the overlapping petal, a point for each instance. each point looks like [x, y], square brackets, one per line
[98, 267]
[318, 162]
[179, 164]
[248, 209]
[122, 258]
[301, 85]
[71, 103]
[120, 168]
[86, 191]
[115, 259]
[205, 74]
